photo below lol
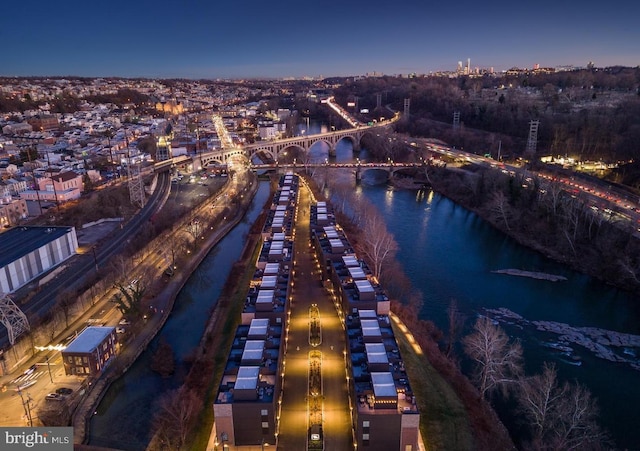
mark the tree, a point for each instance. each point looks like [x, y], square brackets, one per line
[175, 417]
[129, 300]
[456, 322]
[497, 361]
[195, 228]
[65, 301]
[560, 416]
[378, 245]
[88, 183]
[499, 205]
[163, 361]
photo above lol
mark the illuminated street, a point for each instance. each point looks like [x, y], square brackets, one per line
[335, 400]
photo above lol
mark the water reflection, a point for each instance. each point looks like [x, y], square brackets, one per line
[453, 255]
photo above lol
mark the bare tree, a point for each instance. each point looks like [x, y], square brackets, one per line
[537, 396]
[553, 195]
[497, 361]
[175, 415]
[499, 206]
[65, 301]
[121, 267]
[560, 416]
[129, 300]
[456, 321]
[378, 245]
[195, 228]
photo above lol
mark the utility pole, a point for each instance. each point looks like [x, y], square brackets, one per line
[49, 368]
[26, 404]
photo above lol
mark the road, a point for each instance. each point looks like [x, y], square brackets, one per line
[308, 290]
[38, 383]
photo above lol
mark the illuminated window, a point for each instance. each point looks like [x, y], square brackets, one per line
[264, 412]
[265, 425]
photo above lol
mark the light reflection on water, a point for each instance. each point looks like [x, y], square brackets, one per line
[450, 253]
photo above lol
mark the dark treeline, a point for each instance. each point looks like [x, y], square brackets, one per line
[591, 114]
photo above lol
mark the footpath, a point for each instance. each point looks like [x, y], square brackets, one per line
[164, 303]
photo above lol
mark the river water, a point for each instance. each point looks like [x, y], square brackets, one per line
[449, 253]
[123, 418]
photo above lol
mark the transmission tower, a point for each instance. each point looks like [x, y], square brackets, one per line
[407, 103]
[13, 318]
[136, 187]
[532, 142]
[456, 120]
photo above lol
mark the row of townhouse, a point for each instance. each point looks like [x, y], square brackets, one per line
[385, 415]
[246, 405]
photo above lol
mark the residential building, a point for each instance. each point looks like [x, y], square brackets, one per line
[90, 352]
[62, 187]
[12, 210]
[385, 416]
[245, 408]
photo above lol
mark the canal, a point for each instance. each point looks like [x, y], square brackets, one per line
[123, 418]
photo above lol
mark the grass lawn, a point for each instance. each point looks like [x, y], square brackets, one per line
[223, 334]
[443, 419]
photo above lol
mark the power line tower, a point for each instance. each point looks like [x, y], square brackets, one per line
[456, 120]
[407, 104]
[532, 142]
[136, 186]
[13, 318]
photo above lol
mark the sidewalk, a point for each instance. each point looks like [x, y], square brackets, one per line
[164, 304]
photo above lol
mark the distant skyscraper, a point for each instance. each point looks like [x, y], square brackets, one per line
[468, 66]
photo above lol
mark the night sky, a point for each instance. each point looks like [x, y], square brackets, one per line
[250, 38]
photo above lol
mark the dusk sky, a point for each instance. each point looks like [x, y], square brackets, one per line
[253, 39]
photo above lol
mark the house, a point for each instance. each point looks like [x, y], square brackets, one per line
[62, 187]
[90, 352]
[12, 210]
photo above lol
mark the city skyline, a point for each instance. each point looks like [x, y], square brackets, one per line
[196, 39]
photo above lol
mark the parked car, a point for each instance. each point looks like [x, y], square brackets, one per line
[120, 330]
[64, 391]
[53, 397]
[124, 322]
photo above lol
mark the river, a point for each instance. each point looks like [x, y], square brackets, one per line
[449, 253]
